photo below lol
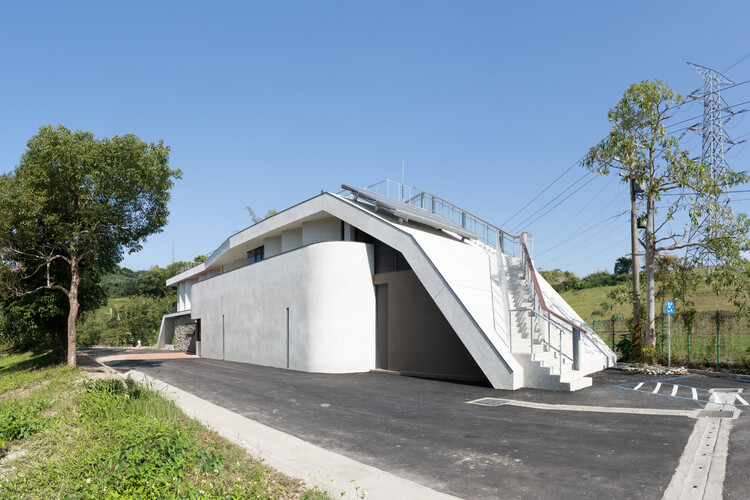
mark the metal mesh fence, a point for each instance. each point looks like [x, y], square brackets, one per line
[707, 336]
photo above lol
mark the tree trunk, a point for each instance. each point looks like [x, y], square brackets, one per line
[75, 280]
[650, 296]
[649, 240]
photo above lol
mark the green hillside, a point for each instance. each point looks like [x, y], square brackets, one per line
[587, 301]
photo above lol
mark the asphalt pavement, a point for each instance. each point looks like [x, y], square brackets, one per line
[607, 441]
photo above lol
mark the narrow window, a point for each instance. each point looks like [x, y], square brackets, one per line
[255, 255]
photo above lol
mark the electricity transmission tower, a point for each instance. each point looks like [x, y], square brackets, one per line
[712, 131]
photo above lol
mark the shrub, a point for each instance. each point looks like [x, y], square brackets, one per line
[20, 421]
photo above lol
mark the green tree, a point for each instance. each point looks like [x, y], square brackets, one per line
[677, 280]
[639, 148]
[152, 283]
[78, 202]
[256, 218]
[123, 282]
[623, 265]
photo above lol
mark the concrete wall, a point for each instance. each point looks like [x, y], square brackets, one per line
[291, 239]
[315, 231]
[272, 246]
[464, 300]
[328, 293]
[184, 295]
[234, 265]
[420, 339]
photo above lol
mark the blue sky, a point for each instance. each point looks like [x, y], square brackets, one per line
[265, 104]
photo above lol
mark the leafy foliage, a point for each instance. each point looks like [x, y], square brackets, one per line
[256, 218]
[116, 439]
[121, 283]
[564, 281]
[639, 147]
[38, 321]
[72, 207]
[623, 265]
[21, 421]
[124, 322]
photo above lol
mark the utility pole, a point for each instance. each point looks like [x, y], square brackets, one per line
[636, 264]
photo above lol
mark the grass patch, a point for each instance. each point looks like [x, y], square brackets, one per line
[588, 300]
[66, 437]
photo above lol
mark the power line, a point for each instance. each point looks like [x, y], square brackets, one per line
[733, 191]
[591, 200]
[521, 224]
[737, 62]
[725, 108]
[518, 226]
[582, 232]
[694, 99]
[583, 227]
[544, 190]
[597, 253]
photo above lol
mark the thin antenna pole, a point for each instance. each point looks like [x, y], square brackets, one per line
[403, 167]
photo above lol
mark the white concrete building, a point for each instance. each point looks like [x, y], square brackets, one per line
[358, 281]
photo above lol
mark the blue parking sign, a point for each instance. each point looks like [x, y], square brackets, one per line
[669, 307]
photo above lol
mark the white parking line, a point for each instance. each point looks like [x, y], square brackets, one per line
[695, 393]
[638, 386]
[656, 389]
[740, 399]
[594, 409]
[674, 389]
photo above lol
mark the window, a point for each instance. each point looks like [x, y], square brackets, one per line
[255, 255]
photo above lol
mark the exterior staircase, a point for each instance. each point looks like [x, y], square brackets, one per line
[530, 339]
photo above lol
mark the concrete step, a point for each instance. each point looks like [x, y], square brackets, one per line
[554, 363]
[576, 384]
[542, 355]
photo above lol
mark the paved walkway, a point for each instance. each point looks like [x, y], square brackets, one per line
[603, 442]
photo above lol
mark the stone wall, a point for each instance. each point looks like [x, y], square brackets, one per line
[184, 334]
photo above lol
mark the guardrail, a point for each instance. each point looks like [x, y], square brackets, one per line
[554, 334]
[543, 312]
[485, 232]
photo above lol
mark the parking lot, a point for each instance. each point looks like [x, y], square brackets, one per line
[622, 437]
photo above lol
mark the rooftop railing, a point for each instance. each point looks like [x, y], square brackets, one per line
[485, 232]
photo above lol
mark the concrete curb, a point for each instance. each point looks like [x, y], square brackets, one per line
[315, 466]
[709, 373]
[92, 366]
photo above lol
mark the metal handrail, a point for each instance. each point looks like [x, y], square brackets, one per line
[494, 312]
[561, 328]
[535, 289]
[504, 287]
